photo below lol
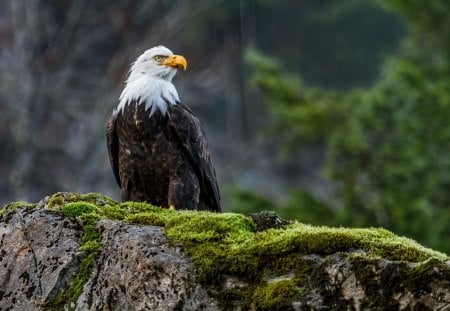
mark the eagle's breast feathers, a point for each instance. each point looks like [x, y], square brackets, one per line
[155, 94]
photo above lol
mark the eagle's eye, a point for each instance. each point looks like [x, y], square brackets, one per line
[159, 58]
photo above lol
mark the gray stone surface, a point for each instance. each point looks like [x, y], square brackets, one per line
[38, 257]
[138, 270]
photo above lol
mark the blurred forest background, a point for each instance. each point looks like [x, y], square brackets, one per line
[333, 112]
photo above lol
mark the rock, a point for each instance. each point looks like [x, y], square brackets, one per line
[38, 257]
[204, 261]
[266, 220]
[138, 270]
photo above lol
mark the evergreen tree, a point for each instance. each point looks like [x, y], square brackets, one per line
[387, 148]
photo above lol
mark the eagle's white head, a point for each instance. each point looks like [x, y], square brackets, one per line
[150, 80]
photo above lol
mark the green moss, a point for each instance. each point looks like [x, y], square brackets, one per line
[228, 244]
[89, 209]
[14, 205]
[75, 209]
[276, 295]
[59, 199]
[8, 210]
[139, 207]
[307, 239]
[67, 299]
[146, 218]
[90, 245]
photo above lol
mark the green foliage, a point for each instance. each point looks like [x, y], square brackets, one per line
[75, 209]
[386, 148]
[305, 207]
[433, 16]
[301, 113]
[245, 201]
[328, 41]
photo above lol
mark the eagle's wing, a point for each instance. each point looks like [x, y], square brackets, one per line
[192, 137]
[112, 142]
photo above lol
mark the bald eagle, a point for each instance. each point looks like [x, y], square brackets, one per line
[156, 145]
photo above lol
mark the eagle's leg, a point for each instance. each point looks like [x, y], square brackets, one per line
[184, 192]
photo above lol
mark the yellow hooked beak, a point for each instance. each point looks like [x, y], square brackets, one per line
[176, 61]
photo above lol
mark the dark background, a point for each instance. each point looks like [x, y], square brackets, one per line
[331, 112]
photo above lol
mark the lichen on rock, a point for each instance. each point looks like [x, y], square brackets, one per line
[137, 256]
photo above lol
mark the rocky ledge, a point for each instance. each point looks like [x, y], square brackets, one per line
[88, 252]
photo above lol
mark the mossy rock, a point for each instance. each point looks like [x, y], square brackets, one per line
[232, 245]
